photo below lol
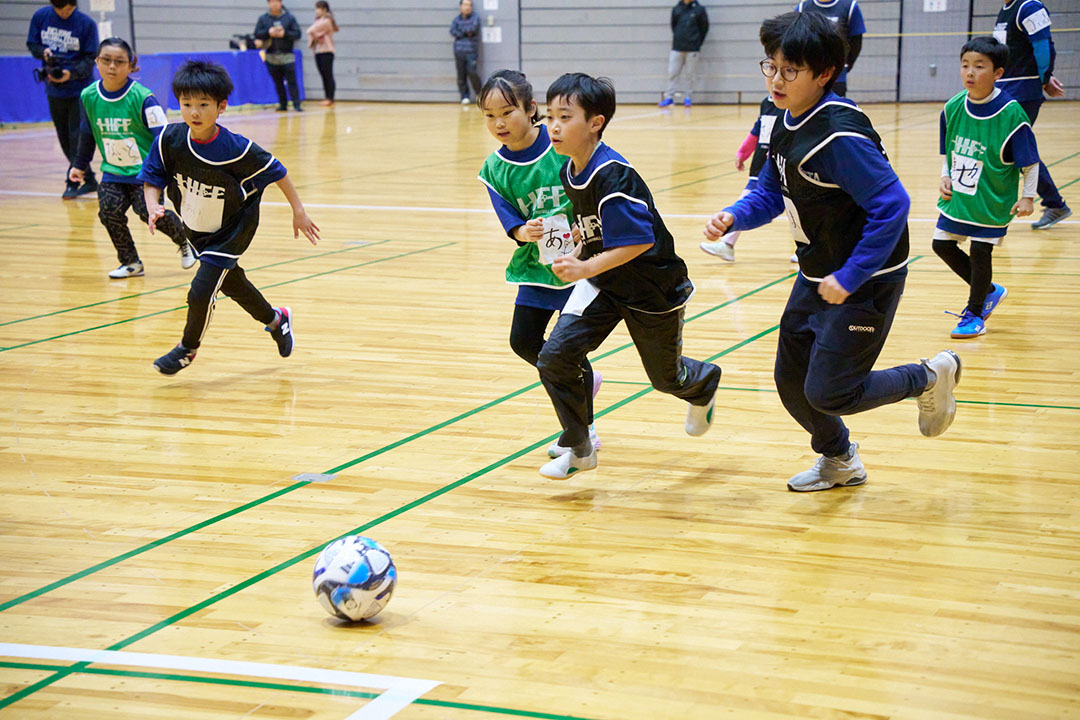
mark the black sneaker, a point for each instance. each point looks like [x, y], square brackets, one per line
[282, 108]
[71, 191]
[175, 360]
[297, 108]
[282, 334]
[90, 185]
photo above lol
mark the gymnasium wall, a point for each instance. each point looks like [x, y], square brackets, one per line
[401, 49]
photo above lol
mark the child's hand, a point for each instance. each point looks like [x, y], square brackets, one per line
[1054, 88]
[570, 268]
[302, 223]
[76, 175]
[718, 225]
[831, 291]
[532, 231]
[945, 188]
[1023, 207]
[740, 163]
[155, 213]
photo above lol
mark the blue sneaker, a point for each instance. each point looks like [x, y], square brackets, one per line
[666, 102]
[970, 325]
[993, 298]
[687, 102]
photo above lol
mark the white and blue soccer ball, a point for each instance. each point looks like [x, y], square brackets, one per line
[354, 578]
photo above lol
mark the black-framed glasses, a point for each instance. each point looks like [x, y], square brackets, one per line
[768, 69]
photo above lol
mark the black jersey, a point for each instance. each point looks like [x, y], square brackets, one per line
[215, 186]
[613, 208]
[827, 221]
[764, 126]
[1018, 23]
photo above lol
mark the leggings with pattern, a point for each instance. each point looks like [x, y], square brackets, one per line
[114, 199]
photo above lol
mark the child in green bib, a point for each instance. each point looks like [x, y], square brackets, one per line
[522, 178]
[122, 117]
[986, 141]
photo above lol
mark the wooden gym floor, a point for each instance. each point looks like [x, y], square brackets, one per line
[157, 534]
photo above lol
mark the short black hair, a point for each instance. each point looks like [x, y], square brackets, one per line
[595, 95]
[64, 3]
[120, 43]
[809, 39]
[514, 88]
[202, 77]
[989, 46]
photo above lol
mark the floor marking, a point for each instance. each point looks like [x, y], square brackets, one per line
[314, 477]
[399, 692]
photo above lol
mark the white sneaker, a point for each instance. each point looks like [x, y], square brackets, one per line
[720, 249]
[699, 418]
[794, 258]
[828, 472]
[466, 101]
[125, 271]
[187, 255]
[566, 465]
[937, 406]
[556, 450]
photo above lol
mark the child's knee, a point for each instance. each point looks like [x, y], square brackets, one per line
[830, 400]
[944, 247]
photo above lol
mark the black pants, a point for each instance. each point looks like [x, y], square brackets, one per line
[466, 69]
[658, 339]
[65, 116]
[114, 199]
[527, 339]
[282, 74]
[977, 270]
[209, 279]
[1047, 190]
[325, 63]
[825, 354]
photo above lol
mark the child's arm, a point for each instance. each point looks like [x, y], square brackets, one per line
[300, 220]
[1026, 204]
[84, 147]
[945, 186]
[754, 210]
[154, 208]
[570, 268]
[745, 151]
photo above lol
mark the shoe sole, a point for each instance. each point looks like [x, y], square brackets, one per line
[163, 371]
[853, 482]
[707, 251]
[968, 336]
[1036, 226]
[955, 384]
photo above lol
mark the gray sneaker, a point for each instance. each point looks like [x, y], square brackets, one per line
[828, 472]
[1051, 216]
[937, 406]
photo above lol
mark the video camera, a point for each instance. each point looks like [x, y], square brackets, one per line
[50, 68]
[242, 42]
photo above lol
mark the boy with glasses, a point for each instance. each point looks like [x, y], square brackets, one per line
[848, 211]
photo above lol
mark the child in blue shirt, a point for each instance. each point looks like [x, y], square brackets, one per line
[215, 179]
[985, 140]
[848, 213]
[626, 270]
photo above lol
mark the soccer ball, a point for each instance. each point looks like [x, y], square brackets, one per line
[354, 578]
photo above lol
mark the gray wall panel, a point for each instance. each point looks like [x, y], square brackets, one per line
[402, 50]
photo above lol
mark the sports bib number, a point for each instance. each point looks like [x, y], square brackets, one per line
[793, 218]
[767, 122]
[965, 174]
[557, 240]
[122, 152]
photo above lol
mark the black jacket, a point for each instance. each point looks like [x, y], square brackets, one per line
[281, 44]
[689, 25]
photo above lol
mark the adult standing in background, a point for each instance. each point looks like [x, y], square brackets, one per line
[849, 21]
[466, 31]
[1024, 25]
[66, 40]
[689, 26]
[321, 40]
[276, 31]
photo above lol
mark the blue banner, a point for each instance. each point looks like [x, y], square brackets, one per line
[22, 99]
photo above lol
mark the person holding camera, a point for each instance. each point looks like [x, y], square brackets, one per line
[277, 30]
[66, 42]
